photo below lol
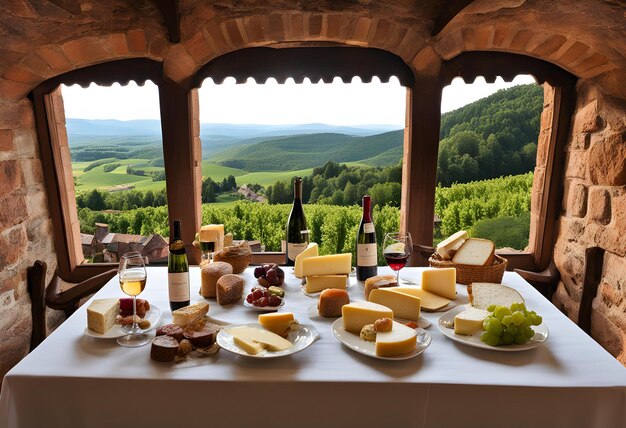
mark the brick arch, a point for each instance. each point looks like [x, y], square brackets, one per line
[574, 56]
[290, 29]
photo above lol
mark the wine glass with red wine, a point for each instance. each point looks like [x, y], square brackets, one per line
[397, 248]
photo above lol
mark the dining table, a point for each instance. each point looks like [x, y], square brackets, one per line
[73, 379]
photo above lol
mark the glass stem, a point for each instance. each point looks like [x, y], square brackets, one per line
[398, 277]
[135, 325]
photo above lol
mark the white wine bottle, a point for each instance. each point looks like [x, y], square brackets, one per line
[177, 271]
[297, 235]
[366, 250]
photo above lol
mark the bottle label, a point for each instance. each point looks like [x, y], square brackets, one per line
[368, 228]
[294, 249]
[366, 255]
[178, 285]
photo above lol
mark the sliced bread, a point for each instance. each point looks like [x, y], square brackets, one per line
[483, 294]
[475, 252]
[448, 246]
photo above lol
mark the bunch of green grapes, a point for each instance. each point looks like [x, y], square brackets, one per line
[505, 326]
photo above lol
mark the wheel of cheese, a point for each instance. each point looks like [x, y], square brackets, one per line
[164, 349]
[229, 289]
[331, 301]
[209, 275]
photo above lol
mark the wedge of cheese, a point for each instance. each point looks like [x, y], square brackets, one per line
[317, 283]
[356, 315]
[441, 282]
[470, 321]
[403, 305]
[189, 314]
[448, 246]
[253, 340]
[335, 264]
[399, 341]
[310, 251]
[101, 314]
[429, 301]
[277, 322]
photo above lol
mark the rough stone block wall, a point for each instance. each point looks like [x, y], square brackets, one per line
[25, 228]
[594, 215]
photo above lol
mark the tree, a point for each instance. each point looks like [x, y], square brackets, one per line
[95, 201]
[350, 196]
[148, 199]
[386, 194]
[232, 182]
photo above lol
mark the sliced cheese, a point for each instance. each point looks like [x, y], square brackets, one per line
[277, 322]
[335, 264]
[310, 251]
[356, 315]
[441, 282]
[317, 283]
[399, 341]
[428, 300]
[469, 321]
[101, 314]
[448, 246]
[403, 305]
[250, 338]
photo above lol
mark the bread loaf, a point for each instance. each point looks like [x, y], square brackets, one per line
[483, 294]
[237, 255]
[229, 289]
[331, 301]
[475, 252]
[209, 275]
[378, 282]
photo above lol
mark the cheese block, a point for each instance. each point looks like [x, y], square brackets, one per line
[470, 321]
[310, 251]
[428, 301]
[448, 246]
[253, 340]
[403, 305]
[317, 283]
[335, 264]
[475, 252]
[190, 314]
[356, 315]
[483, 294]
[399, 341]
[278, 322]
[441, 282]
[101, 314]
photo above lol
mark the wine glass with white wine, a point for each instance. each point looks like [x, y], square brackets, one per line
[132, 275]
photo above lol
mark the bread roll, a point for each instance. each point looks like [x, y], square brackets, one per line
[331, 301]
[378, 282]
[229, 289]
[209, 275]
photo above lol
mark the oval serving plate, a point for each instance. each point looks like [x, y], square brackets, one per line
[153, 315]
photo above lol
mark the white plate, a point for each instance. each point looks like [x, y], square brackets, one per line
[302, 338]
[364, 347]
[153, 315]
[263, 308]
[541, 334]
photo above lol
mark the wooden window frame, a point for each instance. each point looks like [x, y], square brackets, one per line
[182, 151]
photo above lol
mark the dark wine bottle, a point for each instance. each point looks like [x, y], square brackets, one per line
[366, 250]
[297, 235]
[177, 271]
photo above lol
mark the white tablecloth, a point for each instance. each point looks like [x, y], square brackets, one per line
[74, 380]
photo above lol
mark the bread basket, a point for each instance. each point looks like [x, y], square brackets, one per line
[466, 274]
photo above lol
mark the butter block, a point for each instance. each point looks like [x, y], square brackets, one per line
[403, 305]
[250, 339]
[448, 246]
[399, 341]
[441, 282]
[101, 314]
[335, 264]
[356, 315]
[317, 283]
[470, 321]
[277, 322]
[428, 300]
[310, 251]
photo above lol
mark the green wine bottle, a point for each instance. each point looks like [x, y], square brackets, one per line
[297, 235]
[177, 271]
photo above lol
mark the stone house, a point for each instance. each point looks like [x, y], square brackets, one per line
[576, 49]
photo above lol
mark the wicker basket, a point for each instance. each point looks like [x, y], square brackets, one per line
[466, 274]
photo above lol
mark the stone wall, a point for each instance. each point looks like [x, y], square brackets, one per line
[594, 215]
[25, 228]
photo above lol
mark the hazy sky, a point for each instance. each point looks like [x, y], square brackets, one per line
[270, 103]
